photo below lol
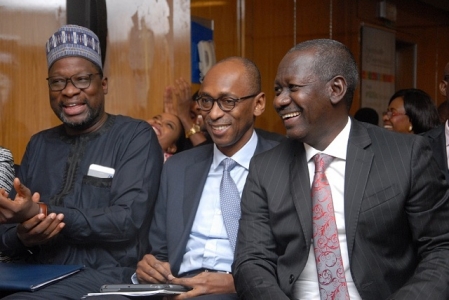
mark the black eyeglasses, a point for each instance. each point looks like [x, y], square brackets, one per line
[225, 103]
[80, 81]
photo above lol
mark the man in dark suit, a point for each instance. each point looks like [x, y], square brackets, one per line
[437, 136]
[190, 242]
[386, 210]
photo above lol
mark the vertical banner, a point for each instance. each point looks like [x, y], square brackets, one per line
[378, 68]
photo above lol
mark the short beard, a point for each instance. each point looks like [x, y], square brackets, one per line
[92, 116]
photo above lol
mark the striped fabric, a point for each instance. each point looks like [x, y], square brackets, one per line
[6, 169]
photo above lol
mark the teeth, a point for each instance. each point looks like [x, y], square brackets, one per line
[388, 126]
[290, 115]
[220, 127]
[156, 130]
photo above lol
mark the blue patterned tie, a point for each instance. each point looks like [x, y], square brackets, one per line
[230, 201]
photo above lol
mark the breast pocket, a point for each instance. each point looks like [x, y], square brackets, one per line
[96, 192]
[379, 198]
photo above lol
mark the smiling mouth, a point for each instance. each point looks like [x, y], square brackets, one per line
[290, 115]
[219, 127]
[157, 130]
[388, 127]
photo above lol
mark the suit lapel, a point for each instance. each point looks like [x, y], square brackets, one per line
[358, 166]
[300, 188]
[194, 181]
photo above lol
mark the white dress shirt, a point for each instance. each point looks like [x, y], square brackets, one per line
[208, 245]
[306, 287]
[446, 132]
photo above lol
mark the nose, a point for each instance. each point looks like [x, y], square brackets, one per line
[70, 88]
[283, 99]
[216, 112]
[385, 117]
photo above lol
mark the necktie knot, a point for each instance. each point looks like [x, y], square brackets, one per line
[322, 161]
[228, 164]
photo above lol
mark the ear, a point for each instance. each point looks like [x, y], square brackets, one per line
[104, 85]
[172, 149]
[259, 102]
[443, 86]
[337, 88]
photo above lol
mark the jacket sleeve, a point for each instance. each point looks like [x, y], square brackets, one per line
[254, 267]
[427, 208]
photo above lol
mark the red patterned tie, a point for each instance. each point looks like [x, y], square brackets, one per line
[331, 274]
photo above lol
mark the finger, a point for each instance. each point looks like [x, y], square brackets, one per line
[36, 197]
[29, 224]
[146, 271]
[47, 225]
[21, 189]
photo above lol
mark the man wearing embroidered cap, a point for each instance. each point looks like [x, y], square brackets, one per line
[64, 212]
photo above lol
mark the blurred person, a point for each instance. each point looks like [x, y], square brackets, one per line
[443, 112]
[179, 101]
[6, 179]
[61, 213]
[342, 209]
[6, 169]
[411, 111]
[368, 115]
[439, 137]
[170, 133]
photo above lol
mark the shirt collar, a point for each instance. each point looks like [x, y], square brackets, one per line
[337, 148]
[242, 157]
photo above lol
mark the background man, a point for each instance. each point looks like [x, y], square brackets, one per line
[82, 219]
[375, 224]
[188, 236]
[439, 137]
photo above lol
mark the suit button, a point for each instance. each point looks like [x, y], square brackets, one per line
[292, 278]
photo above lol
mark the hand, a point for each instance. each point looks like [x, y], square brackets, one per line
[40, 229]
[183, 95]
[205, 283]
[151, 270]
[22, 208]
[169, 105]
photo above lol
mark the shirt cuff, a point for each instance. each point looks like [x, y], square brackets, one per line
[134, 279]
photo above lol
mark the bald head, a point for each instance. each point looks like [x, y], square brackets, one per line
[250, 72]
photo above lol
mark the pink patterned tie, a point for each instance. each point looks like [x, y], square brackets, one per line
[331, 274]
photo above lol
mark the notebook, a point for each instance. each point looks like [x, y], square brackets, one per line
[30, 277]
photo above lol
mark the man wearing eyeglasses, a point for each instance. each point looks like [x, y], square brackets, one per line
[191, 236]
[87, 187]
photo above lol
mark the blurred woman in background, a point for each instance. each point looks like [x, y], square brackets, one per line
[411, 111]
[170, 133]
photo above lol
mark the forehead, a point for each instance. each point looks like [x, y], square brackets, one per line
[397, 102]
[225, 78]
[297, 64]
[169, 117]
[72, 65]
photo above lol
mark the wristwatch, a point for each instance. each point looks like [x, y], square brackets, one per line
[195, 129]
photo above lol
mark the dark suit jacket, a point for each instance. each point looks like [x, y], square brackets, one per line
[182, 181]
[396, 217]
[437, 139]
